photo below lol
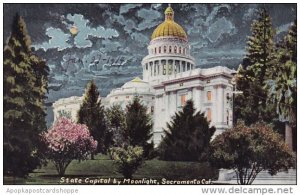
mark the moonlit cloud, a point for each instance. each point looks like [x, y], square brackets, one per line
[125, 8]
[58, 40]
[220, 27]
[82, 40]
[283, 28]
[150, 18]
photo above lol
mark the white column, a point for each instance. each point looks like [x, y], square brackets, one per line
[166, 104]
[197, 98]
[181, 66]
[219, 104]
[221, 111]
[158, 69]
[214, 108]
[172, 103]
[190, 94]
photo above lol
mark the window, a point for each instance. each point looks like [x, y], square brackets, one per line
[155, 50]
[175, 49]
[151, 68]
[182, 100]
[208, 115]
[116, 98]
[170, 49]
[159, 50]
[179, 50]
[165, 49]
[157, 67]
[146, 66]
[183, 50]
[176, 68]
[141, 97]
[152, 109]
[209, 96]
[170, 66]
[164, 67]
[127, 97]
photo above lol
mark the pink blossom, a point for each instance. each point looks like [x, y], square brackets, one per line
[69, 140]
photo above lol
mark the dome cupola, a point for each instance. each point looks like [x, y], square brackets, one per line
[169, 28]
[168, 51]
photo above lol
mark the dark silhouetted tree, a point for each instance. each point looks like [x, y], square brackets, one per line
[91, 113]
[282, 83]
[116, 123]
[252, 106]
[138, 126]
[187, 136]
[25, 87]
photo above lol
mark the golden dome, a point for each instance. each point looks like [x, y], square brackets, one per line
[169, 27]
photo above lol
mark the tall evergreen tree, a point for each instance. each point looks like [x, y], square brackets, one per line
[282, 83]
[138, 125]
[91, 113]
[187, 137]
[252, 105]
[25, 88]
[116, 123]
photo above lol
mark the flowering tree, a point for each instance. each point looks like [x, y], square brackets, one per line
[66, 141]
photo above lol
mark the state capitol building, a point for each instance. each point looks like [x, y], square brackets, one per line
[169, 80]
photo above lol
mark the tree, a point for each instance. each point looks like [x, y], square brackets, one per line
[128, 159]
[64, 113]
[91, 113]
[138, 126]
[67, 141]
[252, 106]
[116, 123]
[250, 150]
[25, 88]
[282, 83]
[187, 137]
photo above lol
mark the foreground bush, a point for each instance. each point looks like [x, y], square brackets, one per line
[250, 150]
[67, 141]
[128, 159]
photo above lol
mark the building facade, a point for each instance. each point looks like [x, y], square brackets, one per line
[170, 79]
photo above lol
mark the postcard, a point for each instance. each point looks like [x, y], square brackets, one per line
[149, 94]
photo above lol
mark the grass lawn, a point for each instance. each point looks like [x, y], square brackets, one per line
[103, 167]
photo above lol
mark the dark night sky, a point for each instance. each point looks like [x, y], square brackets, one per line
[113, 38]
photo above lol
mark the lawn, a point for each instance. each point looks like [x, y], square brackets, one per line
[103, 167]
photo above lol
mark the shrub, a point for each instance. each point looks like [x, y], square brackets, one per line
[128, 159]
